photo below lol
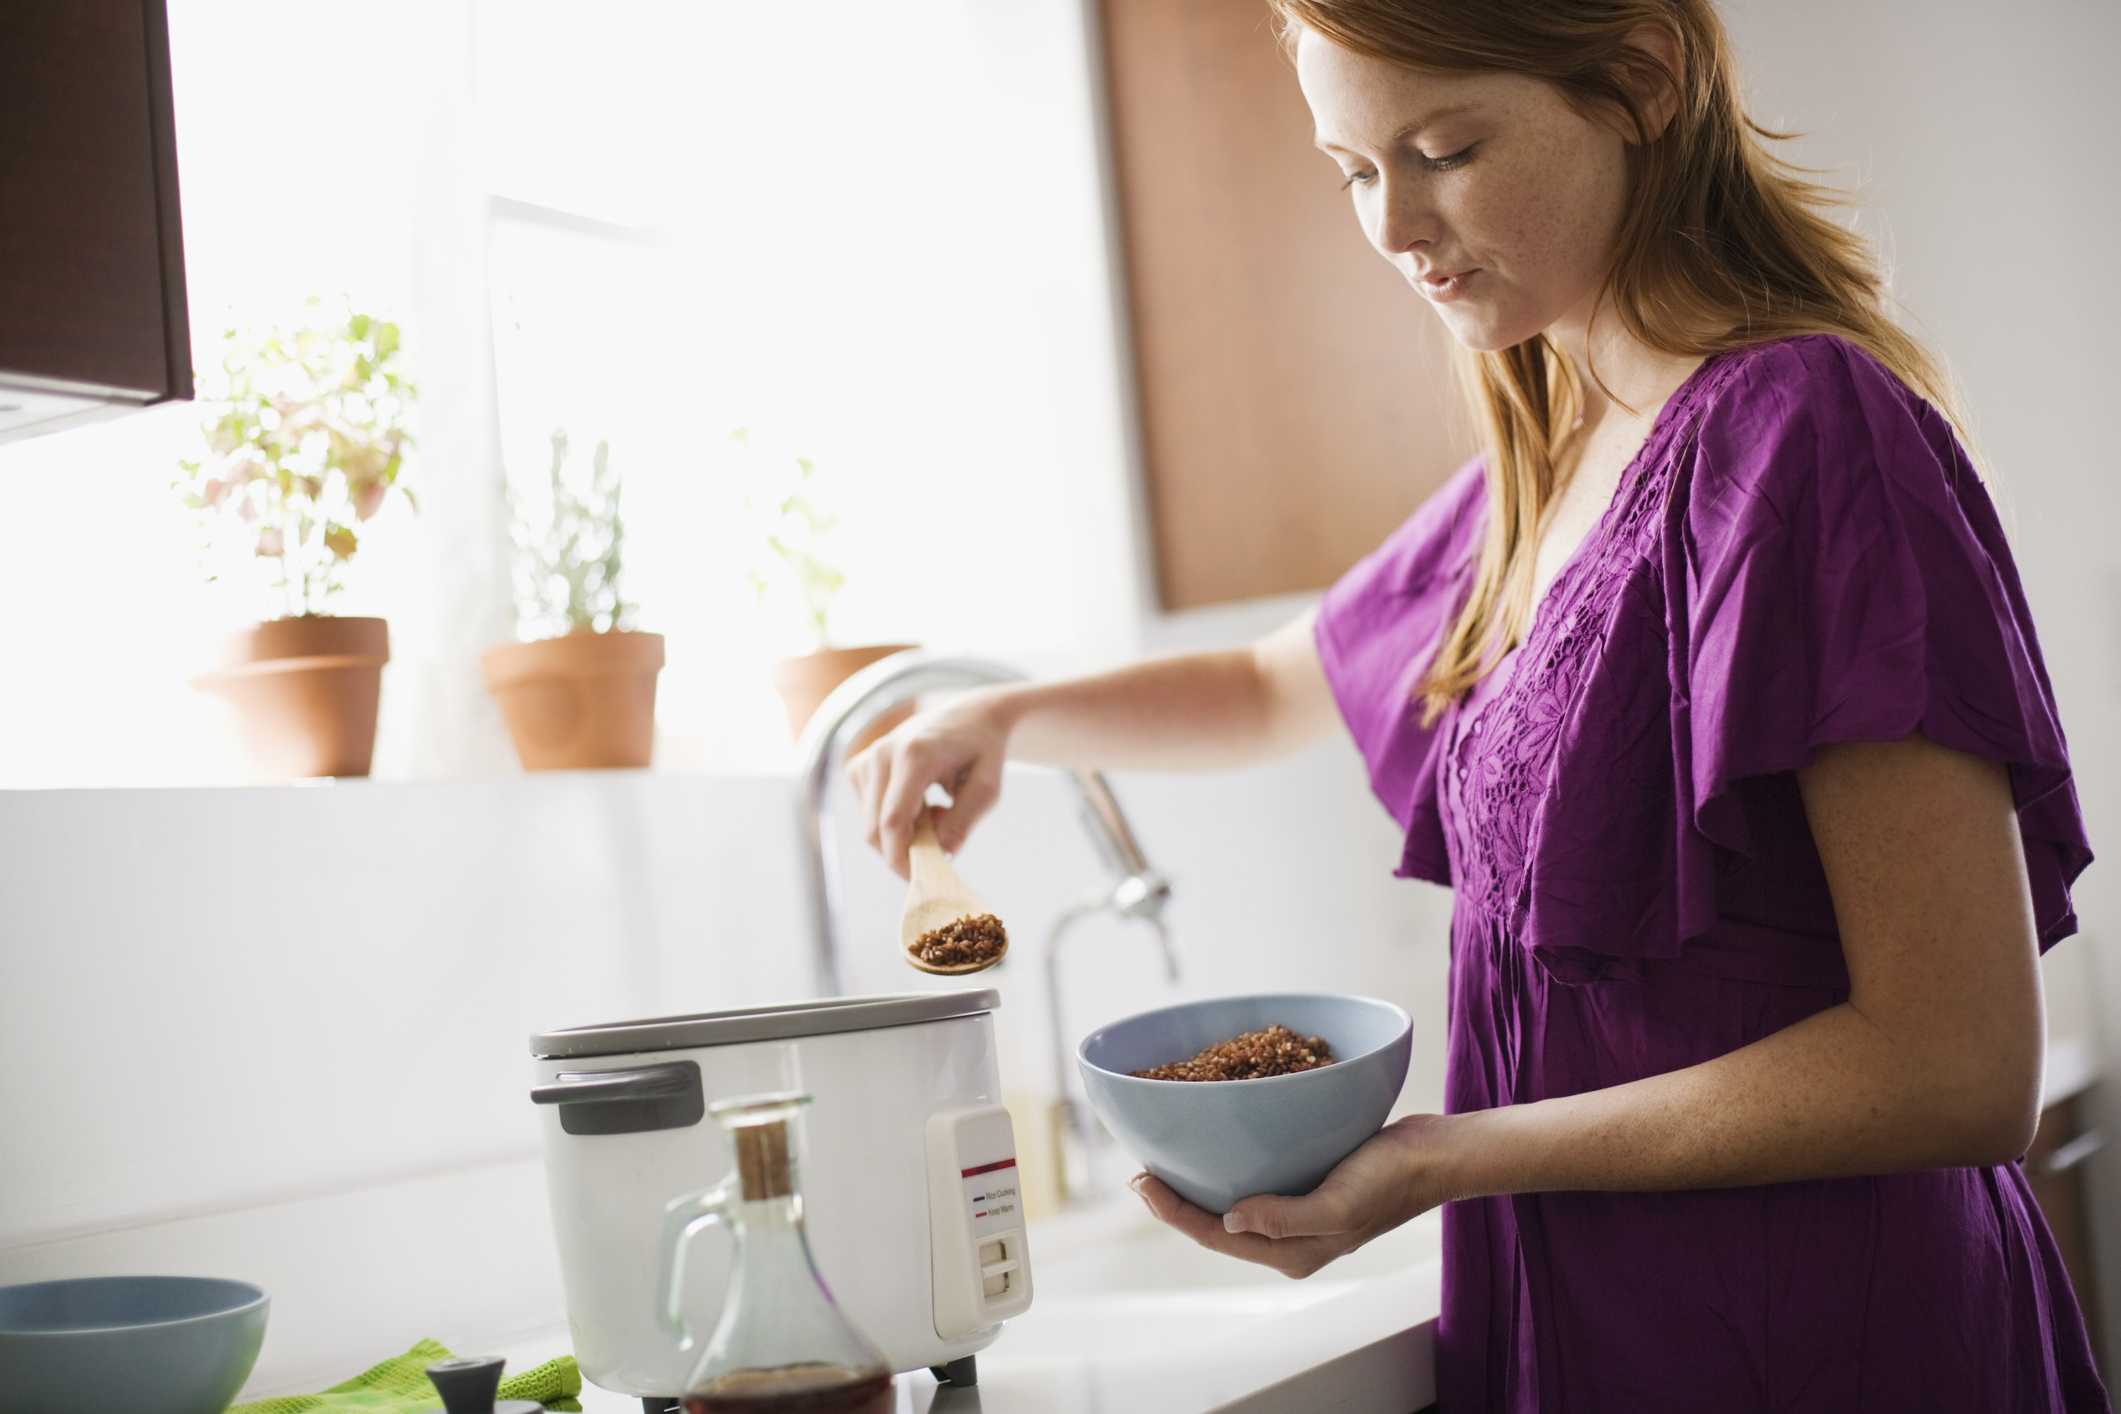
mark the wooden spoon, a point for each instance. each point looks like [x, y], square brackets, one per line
[936, 898]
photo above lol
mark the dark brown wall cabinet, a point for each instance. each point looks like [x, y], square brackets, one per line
[92, 312]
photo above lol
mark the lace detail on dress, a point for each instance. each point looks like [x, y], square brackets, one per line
[1500, 761]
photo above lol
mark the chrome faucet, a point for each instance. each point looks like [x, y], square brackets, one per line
[1136, 891]
[1076, 1133]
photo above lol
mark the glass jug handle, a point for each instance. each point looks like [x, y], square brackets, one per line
[684, 1218]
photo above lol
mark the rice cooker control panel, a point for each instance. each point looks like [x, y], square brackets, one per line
[981, 1263]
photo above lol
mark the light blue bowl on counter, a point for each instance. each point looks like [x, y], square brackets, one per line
[144, 1345]
[1217, 1141]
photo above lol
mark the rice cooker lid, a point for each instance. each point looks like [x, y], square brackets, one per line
[823, 1017]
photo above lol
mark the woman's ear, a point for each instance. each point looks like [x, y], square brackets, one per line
[1655, 77]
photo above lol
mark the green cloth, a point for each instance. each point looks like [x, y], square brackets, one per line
[400, 1386]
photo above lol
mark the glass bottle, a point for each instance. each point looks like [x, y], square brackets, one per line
[782, 1345]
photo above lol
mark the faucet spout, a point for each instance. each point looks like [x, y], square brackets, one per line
[1138, 890]
[1076, 1135]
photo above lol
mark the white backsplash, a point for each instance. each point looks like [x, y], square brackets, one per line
[219, 998]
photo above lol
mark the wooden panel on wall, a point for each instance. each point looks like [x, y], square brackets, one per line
[1296, 396]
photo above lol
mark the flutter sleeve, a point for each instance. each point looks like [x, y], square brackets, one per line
[1846, 579]
[1377, 629]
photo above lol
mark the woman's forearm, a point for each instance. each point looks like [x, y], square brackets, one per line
[1194, 711]
[1831, 1096]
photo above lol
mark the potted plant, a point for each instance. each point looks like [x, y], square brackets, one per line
[306, 444]
[794, 539]
[581, 694]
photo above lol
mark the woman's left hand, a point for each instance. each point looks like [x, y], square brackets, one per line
[1396, 1176]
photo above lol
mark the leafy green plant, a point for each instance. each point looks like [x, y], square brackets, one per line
[794, 534]
[307, 441]
[570, 551]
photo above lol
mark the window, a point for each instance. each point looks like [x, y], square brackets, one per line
[874, 238]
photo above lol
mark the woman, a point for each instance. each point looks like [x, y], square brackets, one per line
[1711, 691]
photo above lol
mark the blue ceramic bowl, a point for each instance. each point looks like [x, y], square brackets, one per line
[1218, 1141]
[147, 1345]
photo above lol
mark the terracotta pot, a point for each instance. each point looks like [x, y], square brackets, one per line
[805, 682]
[305, 692]
[584, 701]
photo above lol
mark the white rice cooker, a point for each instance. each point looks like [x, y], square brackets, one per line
[908, 1173]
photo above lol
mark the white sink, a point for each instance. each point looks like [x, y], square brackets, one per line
[1115, 1288]
[1118, 1248]
[1122, 1328]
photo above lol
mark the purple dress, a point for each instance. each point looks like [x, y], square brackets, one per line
[1800, 554]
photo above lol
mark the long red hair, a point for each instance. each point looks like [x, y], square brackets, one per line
[1725, 244]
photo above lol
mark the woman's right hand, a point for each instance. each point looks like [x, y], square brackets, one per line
[1192, 711]
[960, 746]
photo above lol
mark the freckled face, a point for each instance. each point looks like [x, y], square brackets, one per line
[1489, 193]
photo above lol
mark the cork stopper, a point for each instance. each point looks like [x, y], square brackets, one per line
[758, 1131]
[763, 1167]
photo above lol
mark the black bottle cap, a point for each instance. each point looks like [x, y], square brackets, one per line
[468, 1385]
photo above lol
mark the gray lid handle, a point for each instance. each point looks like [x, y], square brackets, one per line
[648, 1082]
[635, 1100]
[467, 1386]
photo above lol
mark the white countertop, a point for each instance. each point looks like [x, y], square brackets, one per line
[1127, 1316]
